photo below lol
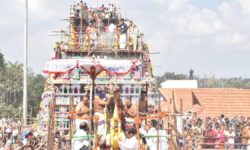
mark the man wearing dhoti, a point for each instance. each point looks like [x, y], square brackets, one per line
[130, 112]
[99, 106]
[82, 110]
[92, 32]
[123, 34]
[132, 33]
[143, 106]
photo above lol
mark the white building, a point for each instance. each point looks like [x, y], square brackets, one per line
[178, 84]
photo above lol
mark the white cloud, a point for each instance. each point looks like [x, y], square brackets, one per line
[161, 2]
[187, 36]
[198, 37]
[177, 5]
[225, 7]
[245, 4]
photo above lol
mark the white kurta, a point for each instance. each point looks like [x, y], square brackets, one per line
[111, 28]
[129, 144]
[123, 41]
[152, 141]
[143, 131]
[163, 142]
[79, 140]
[231, 136]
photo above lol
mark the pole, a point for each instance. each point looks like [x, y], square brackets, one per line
[146, 101]
[50, 136]
[25, 99]
[158, 125]
[92, 95]
[81, 34]
[71, 109]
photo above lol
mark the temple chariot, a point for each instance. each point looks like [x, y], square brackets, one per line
[100, 52]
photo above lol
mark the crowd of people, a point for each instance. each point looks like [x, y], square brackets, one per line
[14, 137]
[221, 132]
[100, 28]
[216, 133]
[116, 124]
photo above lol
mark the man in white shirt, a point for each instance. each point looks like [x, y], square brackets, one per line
[230, 136]
[8, 130]
[130, 142]
[163, 140]
[152, 141]
[80, 138]
[15, 133]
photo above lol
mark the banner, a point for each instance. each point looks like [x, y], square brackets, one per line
[119, 67]
[59, 65]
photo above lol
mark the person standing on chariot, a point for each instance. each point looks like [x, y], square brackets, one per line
[82, 110]
[99, 105]
[140, 42]
[123, 34]
[113, 30]
[132, 33]
[143, 106]
[92, 32]
[116, 119]
[115, 102]
[130, 112]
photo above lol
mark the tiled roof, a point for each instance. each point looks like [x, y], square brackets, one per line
[230, 101]
[177, 95]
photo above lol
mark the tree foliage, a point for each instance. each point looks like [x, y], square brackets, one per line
[2, 61]
[11, 88]
[170, 76]
[208, 82]
[224, 83]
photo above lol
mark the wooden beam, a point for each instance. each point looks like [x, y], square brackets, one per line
[50, 142]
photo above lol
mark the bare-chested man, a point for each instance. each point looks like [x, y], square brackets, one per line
[143, 104]
[130, 110]
[82, 110]
[99, 105]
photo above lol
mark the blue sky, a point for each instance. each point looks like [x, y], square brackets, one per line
[210, 36]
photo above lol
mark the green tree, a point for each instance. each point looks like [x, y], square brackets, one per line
[170, 76]
[35, 89]
[208, 82]
[2, 70]
[2, 61]
[11, 88]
